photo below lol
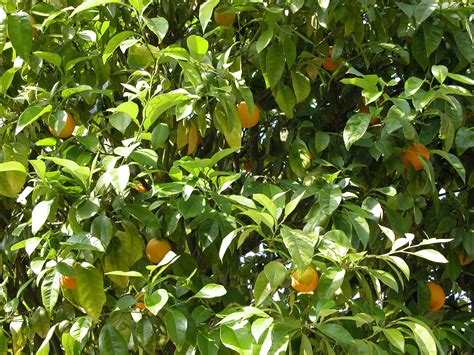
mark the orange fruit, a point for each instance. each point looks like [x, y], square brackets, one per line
[411, 156]
[305, 281]
[140, 305]
[464, 259]
[156, 249]
[328, 63]
[68, 128]
[244, 115]
[437, 296]
[224, 19]
[140, 188]
[68, 282]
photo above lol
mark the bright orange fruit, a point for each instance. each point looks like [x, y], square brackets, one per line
[437, 296]
[305, 281]
[156, 249]
[246, 120]
[68, 128]
[410, 157]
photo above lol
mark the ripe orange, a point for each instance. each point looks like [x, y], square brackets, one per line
[68, 128]
[244, 115]
[156, 249]
[139, 305]
[223, 19]
[411, 156]
[68, 282]
[328, 63]
[437, 296]
[306, 281]
[464, 259]
[140, 188]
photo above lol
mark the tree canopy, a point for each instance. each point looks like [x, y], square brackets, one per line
[242, 176]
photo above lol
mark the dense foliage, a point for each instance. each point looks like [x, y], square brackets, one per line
[361, 166]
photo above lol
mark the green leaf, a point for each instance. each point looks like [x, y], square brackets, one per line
[176, 326]
[361, 227]
[3, 39]
[159, 135]
[205, 12]
[301, 86]
[12, 166]
[396, 338]
[275, 65]
[275, 273]
[259, 326]
[114, 43]
[264, 39]
[208, 343]
[19, 27]
[424, 10]
[440, 72]
[197, 46]
[286, 100]
[44, 347]
[412, 85]
[386, 278]
[156, 301]
[120, 121]
[210, 291]
[290, 206]
[454, 161]
[433, 32]
[30, 115]
[238, 339]
[339, 237]
[300, 246]
[229, 124]
[329, 199]
[161, 103]
[432, 255]
[423, 337]
[305, 346]
[111, 341]
[331, 280]
[90, 292]
[336, 332]
[53, 58]
[464, 44]
[192, 207]
[50, 290]
[461, 78]
[289, 49]
[40, 214]
[464, 139]
[355, 128]
[102, 228]
[262, 289]
[159, 26]
[90, 4]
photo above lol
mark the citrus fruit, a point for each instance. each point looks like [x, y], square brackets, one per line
[139, 305]
[156, 249]
[68, 282]
[328, 63]
[140, 188]
[68, 128]
[410, 157]
[224, 19]
[437, 296]
[464, 259]
[305, 281]
[244, 115]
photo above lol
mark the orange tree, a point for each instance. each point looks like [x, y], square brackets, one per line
[355, 184]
